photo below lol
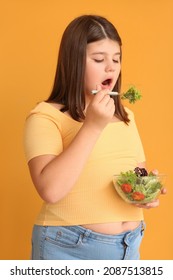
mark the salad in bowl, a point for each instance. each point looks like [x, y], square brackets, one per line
[138, 186]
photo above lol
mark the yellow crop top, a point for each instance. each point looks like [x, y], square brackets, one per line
[93, 198]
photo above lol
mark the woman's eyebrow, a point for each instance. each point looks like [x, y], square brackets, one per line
[117, 53]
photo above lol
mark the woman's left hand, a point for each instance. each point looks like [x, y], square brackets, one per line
[152, 204]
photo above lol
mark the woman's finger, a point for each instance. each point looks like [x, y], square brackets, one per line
[149, 205]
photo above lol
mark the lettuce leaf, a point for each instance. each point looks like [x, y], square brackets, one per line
[132, 94]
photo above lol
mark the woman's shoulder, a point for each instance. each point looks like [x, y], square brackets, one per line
[44, 116]
[46, 109]
[51, 111]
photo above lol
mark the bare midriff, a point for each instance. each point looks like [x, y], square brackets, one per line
[112, 228]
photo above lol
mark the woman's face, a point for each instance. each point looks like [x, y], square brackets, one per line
[102, 65]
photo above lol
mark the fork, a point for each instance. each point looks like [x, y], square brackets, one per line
[110, 93]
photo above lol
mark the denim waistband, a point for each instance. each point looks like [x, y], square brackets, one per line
[128, 235]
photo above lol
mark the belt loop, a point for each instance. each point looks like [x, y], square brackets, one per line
[87, 232]
[85, 235]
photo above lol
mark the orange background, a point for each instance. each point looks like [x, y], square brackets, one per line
[30, 35]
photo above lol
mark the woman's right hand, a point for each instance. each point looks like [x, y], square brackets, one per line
[100, 110]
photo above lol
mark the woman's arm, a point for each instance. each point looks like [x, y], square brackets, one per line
[54, 176]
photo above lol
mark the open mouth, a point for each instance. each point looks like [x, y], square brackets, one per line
[107, 83]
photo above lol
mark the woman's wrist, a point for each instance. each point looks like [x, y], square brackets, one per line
[91, 129]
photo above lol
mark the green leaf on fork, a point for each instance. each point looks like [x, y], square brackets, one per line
[132, 94]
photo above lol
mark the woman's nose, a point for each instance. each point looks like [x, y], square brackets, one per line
[110, 67]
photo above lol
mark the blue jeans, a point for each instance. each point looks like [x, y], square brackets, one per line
[79, 243]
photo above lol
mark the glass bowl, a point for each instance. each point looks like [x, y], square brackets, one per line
[138, 189]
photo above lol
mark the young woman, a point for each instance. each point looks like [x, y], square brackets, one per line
[75, 142]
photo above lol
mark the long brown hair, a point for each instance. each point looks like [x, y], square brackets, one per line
[68, 88]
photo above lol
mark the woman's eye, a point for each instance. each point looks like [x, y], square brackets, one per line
[116, 61]
[98, 60]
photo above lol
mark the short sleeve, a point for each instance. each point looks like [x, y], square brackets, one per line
[41, 136]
